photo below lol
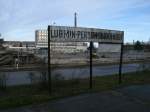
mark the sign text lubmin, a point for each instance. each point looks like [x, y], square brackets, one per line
[79, 34]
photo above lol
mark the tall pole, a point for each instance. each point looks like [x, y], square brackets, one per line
[75, 19]
[91, 68]
[49, 62]
[120, 64]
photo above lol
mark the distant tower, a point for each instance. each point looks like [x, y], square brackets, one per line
[75, 19]
[133, 42]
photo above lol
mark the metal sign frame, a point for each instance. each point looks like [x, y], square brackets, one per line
[80, 34]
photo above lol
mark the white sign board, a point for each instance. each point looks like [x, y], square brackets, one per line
[80, 34]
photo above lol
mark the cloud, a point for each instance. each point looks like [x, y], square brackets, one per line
[19, 18]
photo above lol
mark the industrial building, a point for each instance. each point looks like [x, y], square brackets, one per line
[41, 43]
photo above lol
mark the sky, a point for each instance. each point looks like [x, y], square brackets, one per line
[20, 18]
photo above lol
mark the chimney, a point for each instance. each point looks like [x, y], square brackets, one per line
[75, 19]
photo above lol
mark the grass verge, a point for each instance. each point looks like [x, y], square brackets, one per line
[35, 94]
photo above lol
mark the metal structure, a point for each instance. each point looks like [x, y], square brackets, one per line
[120, 64]
[91, 65]
[75, 19]
[80, 34]
[49, 63]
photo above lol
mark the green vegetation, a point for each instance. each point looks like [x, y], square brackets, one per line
[35, 93]
[138, 46]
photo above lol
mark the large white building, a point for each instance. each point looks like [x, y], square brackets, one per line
[41, 38]
[41, 41]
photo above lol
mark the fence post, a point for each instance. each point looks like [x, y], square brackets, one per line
[120, 64]
[49, 63]
[91, 65]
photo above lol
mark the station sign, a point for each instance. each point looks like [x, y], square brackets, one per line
[82, 34]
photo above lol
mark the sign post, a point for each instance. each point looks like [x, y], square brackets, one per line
[91, 65]
[120, 64]
[49, 62]
[81, 34]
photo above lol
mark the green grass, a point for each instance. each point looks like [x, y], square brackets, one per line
[35, 94]
[16, 101]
